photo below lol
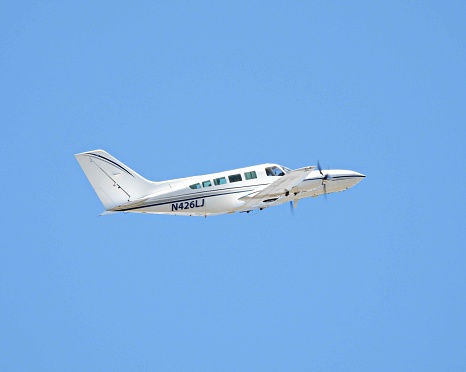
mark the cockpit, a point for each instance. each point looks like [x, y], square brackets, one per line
[276, 171]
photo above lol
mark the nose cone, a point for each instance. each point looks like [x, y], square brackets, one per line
[344, 179]
[356, 178]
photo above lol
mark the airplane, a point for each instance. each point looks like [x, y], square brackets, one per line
[121, 189]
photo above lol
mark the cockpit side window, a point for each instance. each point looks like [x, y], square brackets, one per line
[274, 171]
[195, 186]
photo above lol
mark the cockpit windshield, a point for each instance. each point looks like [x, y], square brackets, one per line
[286, 170]
[274, 171]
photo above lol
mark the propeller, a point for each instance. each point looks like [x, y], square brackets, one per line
[293, 205]
[325, 177]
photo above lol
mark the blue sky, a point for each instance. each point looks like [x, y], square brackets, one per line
[371, 279]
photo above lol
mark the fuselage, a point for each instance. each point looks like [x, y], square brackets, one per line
[221, 193]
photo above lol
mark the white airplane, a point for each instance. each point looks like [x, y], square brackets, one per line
[120, 189]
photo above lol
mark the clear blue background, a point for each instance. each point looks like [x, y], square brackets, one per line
[371, 279]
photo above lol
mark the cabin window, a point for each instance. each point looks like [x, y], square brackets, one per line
[220, 181]
[274, 171]
[235, 178]
[195, 186]
[206, 183]
[250, 175]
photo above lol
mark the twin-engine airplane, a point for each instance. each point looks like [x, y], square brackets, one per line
[120, 189]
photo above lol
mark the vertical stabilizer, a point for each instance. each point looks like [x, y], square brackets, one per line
[114, 182]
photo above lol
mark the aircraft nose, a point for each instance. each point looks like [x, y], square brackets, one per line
[356, 174]
[357, 177]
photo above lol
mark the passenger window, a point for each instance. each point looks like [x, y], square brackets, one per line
[250, 175]
[206, 184]
[235, 178]
[220, 181]
[195, 186]
[274, 171]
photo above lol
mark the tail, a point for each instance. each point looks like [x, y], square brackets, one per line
[114, 182]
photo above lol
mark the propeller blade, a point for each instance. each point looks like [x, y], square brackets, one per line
[325, 177]
[291, 208]
[319, 168]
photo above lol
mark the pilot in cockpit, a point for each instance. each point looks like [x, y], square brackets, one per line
[274, 172]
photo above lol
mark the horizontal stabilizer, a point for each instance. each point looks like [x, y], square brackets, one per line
[106, 213]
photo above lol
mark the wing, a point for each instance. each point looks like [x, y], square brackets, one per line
[279, 188]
